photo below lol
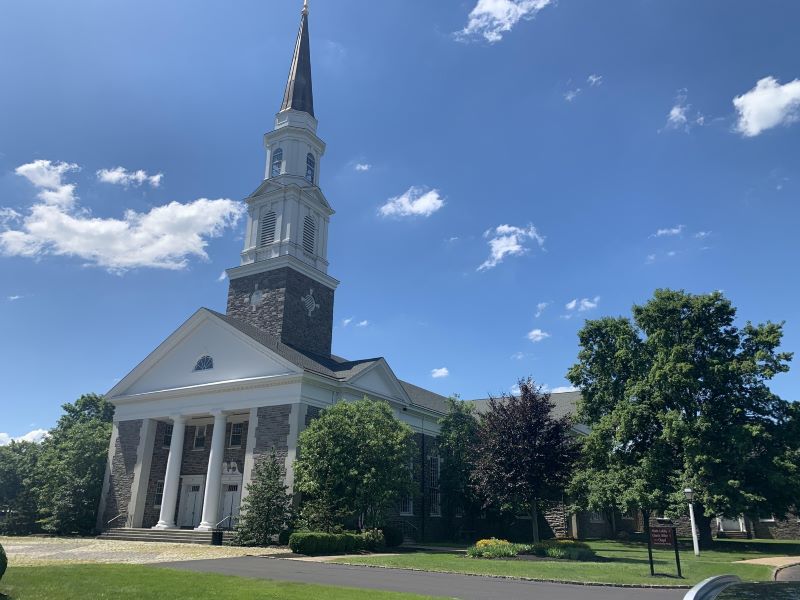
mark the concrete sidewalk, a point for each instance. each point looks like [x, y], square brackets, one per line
[446, 585]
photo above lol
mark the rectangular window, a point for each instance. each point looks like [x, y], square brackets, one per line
[236, 435]
[458, 512]
[167, 442]
[406, 507]
[159, 494]
[596, 517]
[200, 437]
[434, 495]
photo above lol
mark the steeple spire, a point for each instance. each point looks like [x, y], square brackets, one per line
[299, 94]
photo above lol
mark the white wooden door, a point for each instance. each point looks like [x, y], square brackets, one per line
[231, 498]
[191, 505]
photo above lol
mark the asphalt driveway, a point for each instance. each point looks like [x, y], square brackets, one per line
[464, 587]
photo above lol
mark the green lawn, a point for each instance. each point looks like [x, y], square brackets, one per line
[619, 562]
[130, 582]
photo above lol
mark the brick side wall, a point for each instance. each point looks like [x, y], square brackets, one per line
[281, 312]
[272, 432]
[123, 464]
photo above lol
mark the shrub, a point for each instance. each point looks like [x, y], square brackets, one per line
[494, 548]
[314, 543]
[563, 549]
[3, 561]
[393, 536]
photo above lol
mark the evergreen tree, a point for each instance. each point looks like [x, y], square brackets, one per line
[267, 508]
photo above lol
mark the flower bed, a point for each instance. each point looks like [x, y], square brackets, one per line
[558, 549]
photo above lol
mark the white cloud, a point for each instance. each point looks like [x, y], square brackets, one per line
[537, 335]
[671, 253]
[582, 304]
[701, 235]
[15, 298]
[540, 308]
[518, 355]
[164, 237]
[36, 436]
[222, 276]
[594, 80]
[490, 19]
[440, 373]
[651, 258]
[47, 177]
[121, 176]
[508, 240]
[347, 321]
[767, 105]
[363, 323]
[669, 231]
[362, 167]
[415, 202]
[572, 94]
[681, 115]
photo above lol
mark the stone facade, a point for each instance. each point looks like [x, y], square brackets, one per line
[120, 478]
[312, 412]
[779, 529]
[272, 432]
[282, 311]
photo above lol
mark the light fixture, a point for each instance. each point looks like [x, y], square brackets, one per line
[689, 492]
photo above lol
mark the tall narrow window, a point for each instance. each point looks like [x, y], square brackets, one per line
[434, 495]
[311, 165]
[277, 162]
[309, 234]
[236, 435]
[267, 229]
[199, 437]
[159, 496]
[167, 441]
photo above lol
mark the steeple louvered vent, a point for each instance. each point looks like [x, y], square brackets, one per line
[309, 234]
[268, 229]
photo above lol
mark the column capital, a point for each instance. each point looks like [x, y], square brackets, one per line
[178, 418]
[218, 412]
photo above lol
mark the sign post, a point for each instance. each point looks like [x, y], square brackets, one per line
[665, 537]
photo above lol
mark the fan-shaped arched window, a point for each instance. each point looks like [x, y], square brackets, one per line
[309, 234]
[277, 162]
[267, 235]
[204, 363]
[311, 165]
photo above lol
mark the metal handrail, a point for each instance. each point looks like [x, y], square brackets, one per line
[223, 520]
[115, 518]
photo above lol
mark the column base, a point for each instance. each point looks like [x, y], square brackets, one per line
[204, 527]
[164, 525]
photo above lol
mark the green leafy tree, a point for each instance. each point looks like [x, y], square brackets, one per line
[458, 435]
[353, 464]
[678, 396]
[18, 502]
[524, 455]
[267, 508]
[71, 466]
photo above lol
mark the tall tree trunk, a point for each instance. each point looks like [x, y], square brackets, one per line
[535, 520]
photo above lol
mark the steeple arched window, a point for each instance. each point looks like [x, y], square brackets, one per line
[277, 162]
[309, 234]
[311, 166]
[267, 234]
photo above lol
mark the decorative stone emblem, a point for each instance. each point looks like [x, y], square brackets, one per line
[256, 297]
[309, 303]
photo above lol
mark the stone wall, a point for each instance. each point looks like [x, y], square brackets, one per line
[281, 312]
[780, 529]
[123, 463]
[312, 412]
[272, 432]
[158, 469]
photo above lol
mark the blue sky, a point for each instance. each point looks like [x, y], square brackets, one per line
[501, 170]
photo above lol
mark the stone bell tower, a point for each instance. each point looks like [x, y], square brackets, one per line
[282, 285]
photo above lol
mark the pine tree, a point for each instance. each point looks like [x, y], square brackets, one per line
[267, 508]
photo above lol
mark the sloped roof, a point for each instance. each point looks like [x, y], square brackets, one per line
[334, 367]
[299, 94]
[566, 403]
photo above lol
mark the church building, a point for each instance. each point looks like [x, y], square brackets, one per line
[225, 389]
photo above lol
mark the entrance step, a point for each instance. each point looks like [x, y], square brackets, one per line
[733, 535]
[171, 536]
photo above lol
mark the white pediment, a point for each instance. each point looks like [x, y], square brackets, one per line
[172, 365]
[380, 380]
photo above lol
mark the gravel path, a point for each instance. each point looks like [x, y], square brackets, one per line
[31, 551]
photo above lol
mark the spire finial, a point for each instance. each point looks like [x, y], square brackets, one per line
[298, 95]
[305, 7]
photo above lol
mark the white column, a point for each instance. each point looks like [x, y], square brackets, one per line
[214, 475]
[172, 479]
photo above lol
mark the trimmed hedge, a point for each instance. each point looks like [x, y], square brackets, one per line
[316, 543]
[3, 561]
